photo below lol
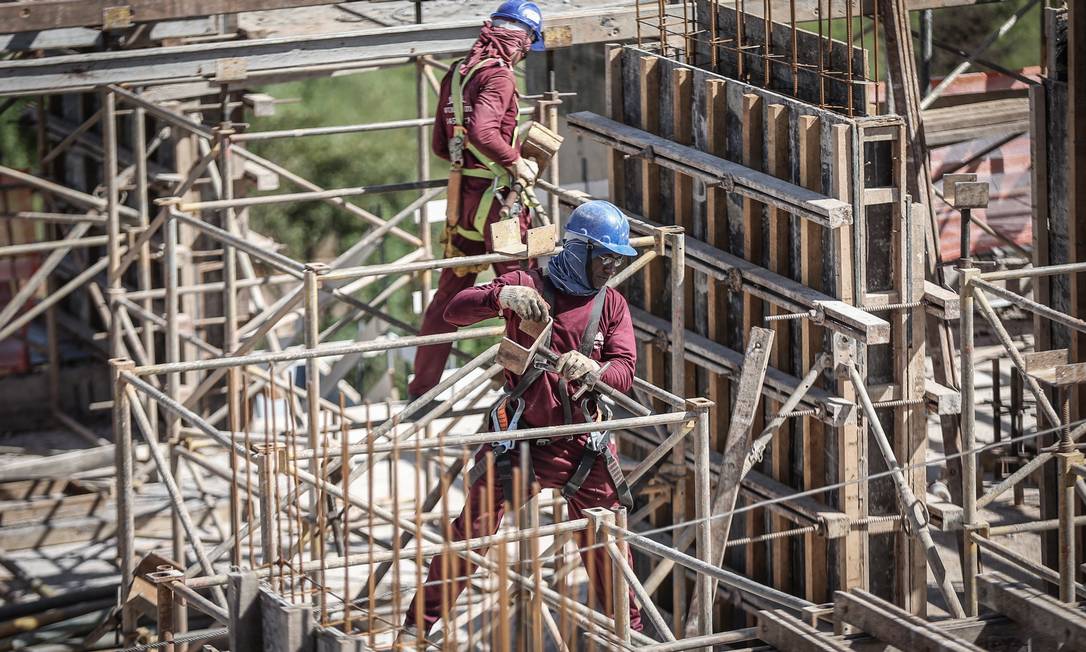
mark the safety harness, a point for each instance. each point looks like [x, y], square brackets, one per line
[499, 176]
[506, 414]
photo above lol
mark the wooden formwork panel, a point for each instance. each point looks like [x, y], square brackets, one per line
[871, 261]
[794, 62]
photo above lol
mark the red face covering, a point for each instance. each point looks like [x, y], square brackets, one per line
[509, 45]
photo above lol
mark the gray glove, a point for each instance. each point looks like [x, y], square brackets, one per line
[525, 171]
[573, 365]
[524, 301]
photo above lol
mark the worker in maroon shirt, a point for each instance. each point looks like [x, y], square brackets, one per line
[476, 130]
[592, 335]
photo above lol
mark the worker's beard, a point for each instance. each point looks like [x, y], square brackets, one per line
[509, 45]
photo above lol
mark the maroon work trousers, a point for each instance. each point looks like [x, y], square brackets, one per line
[554, 464]
[430, 360]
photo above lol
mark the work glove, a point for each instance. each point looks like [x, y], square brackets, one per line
[573, 365]
[525, 170]
[524, 301]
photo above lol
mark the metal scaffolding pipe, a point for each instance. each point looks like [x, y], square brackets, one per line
[909, 502]
[451, 441]
[727, 578]
[338, 193]
[325, 350]
[272, 258]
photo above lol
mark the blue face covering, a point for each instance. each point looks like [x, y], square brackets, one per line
[569, 269]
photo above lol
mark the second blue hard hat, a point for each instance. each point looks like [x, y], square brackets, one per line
[602, 224]
[526, 13]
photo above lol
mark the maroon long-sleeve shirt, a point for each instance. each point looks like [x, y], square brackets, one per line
[490, 114]
[614, 342]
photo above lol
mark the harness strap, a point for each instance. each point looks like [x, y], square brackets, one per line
[492, 170]
[597, 447]
[588, 338]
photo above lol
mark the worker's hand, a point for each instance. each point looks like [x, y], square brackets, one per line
[525, 170]
[525, 301]
[573, 365]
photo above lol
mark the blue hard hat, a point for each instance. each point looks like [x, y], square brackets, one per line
[602, 224]
[526, 13]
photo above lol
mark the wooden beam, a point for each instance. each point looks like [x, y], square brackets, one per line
[786, 632]
[780, 290]
[35, 15]
[714, 170]
[251, 58]
[811, 260]
[1034, 610]
[893, 625]
[736, 447]
[779, 231]
[727, 362]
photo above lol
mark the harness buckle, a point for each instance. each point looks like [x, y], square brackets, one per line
[456, 148]
[502, 422]
[598, 441]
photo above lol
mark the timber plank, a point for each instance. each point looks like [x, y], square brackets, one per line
[783, 291]
[813, 440]
[850, 444]
[894, 625]
[788, 633]
[724, 361]
[777, 259]
[1034, 610]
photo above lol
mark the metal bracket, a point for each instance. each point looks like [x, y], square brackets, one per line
[844, 354]
[505, 239]
[165, 575]
[516, 358]
[647, 154]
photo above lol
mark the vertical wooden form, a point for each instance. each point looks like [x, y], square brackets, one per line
[716, 234]
[1038, 141]
[852, 549]
[777, 247]
[753, 134]
[832, 155]
[910, 420]
[683, 192]
[613, 83]
[809, 151]
[885, 214]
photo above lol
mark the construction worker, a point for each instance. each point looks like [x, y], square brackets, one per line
[592, 333]
[476, 130]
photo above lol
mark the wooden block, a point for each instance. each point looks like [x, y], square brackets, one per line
[942, 400]
[941, 302]
[1041, 360]
[1071, 374]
